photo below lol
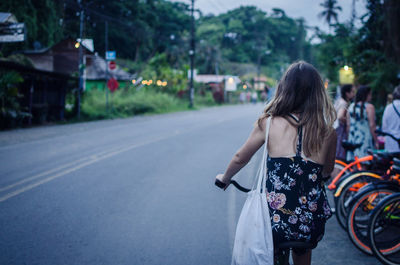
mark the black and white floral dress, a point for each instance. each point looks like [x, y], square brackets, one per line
[359, 131]
[297, 199]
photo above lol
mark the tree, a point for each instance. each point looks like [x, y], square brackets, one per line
[330, 12]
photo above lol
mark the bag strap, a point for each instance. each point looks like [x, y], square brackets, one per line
[299, 134]
[395, 109]
[262, 171]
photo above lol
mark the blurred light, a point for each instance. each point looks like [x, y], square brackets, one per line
[159, 83]
[244, 87]
[346, 68]
[326, 84]
[144, 82]
[150, 82]
[77, 44]
[164, 83]
[230, 80]
[133, 81]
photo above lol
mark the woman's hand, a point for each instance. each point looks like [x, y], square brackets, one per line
[222, 178]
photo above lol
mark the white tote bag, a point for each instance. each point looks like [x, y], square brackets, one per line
[253, 240]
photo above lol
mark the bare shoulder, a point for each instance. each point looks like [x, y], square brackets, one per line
[279, 123]
[262, 124]
[370, 107]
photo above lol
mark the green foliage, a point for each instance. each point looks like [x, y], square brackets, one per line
[330, 11]
[128, 103]
[204, 100]
[41, 18]
[367, 50]
[158, 68]
[246, 35]
[11, 112]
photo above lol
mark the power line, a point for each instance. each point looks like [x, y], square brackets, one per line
[108, 17]
[224, 8]
[218, 8]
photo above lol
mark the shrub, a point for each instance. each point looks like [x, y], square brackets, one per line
[128, 103]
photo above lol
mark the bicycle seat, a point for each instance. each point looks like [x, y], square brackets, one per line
[348, 146]
[295, 244]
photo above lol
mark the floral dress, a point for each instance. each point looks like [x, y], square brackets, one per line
[297, 199]
[359, 132]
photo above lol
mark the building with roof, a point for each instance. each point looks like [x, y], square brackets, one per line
[10, 29]
[49, 73]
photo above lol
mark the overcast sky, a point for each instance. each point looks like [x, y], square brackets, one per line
[308, 9]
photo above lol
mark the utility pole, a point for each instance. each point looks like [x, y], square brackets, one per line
[80, 88]
[192, 54]
[258, 63]
[258, 66]
[106, 47]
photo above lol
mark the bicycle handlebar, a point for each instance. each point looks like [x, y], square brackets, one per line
[380, 132]
[222, 185]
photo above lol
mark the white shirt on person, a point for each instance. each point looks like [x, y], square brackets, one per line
[340, 103]
[391, 124]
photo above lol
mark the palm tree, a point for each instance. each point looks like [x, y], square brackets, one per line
[330, 12]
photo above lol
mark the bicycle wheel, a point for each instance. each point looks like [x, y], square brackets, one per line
[346, 192]
[359, 214]
[338, 167]
[384, 230]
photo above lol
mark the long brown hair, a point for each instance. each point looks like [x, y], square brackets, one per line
[361, 96]
[301, 91]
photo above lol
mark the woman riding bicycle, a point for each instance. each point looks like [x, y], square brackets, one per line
[301, 151]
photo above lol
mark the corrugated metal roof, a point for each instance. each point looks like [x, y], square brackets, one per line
[214, 78]
[97, 70]
[7, 18]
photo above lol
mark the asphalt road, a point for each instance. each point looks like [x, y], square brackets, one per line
[132, 191]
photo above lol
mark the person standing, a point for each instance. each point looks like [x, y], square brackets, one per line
[391, 122]
[361, 123]
[242, 97]
[254, 97]
[347, 93]
[301, 151]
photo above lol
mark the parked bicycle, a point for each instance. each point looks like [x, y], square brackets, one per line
[384, 230]
[346, 186]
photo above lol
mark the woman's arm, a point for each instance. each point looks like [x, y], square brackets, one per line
[330, 154]
[244, 154]
[372, 124]
[342, 115]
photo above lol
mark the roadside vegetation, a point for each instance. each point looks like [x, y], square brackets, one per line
[152, 41]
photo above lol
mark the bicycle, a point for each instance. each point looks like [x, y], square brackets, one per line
[353, 182]
[349, 184]
[347, 167]
[362, 205]
[384, 230]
